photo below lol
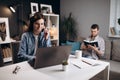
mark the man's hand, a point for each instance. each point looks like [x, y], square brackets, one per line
[83, 47]
[93, 47]
[96, 49]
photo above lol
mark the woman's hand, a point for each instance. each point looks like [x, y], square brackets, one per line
[46, 31]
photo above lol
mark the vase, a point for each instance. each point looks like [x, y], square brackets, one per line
[64, 67]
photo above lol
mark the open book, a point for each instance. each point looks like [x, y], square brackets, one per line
[93, 43]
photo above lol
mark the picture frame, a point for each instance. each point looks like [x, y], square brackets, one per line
[34, 7]
[46, 8]
[4, 30]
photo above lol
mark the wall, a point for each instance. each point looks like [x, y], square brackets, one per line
[86, 13]
[23, 12]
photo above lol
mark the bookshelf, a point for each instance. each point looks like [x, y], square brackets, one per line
[52, 23]
[6, 49]
[6, 52]
[53, 26]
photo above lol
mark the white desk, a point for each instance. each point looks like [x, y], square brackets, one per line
[26, 72]
[74, 73]
[55, 72]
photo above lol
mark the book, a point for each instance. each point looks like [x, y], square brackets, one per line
[93, 43]
[113, 32]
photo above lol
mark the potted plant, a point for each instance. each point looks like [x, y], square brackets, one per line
[68, 25]
[64, 65]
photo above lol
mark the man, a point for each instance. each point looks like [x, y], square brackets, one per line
[90, 51]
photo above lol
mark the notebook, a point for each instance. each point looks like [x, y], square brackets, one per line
[50, 56]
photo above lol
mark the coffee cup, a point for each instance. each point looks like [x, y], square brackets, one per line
[78, 54]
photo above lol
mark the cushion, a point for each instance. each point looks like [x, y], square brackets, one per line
[75, 46]
[116, 50]
[107, 53]
[114, 66]
[63, 44]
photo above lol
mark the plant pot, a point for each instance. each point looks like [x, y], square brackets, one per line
[64, 67]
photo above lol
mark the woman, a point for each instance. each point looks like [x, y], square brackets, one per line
[37, 36]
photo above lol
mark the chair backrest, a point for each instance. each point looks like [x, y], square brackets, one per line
[1, 58]
[15, 49]
[107, 54]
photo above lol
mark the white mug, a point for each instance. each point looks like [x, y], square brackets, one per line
[78, 54]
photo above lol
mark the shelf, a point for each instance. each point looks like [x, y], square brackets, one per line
[114, 36]
[8, 41]
[50, 14]
[5, 42]
[53, 39]
[7, 59]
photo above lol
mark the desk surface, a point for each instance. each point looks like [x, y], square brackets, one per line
[54, 72]
[73, 72]
[26, 72]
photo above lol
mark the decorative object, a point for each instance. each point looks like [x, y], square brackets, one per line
[46, 8]
[53, 32]
[68, 25]
[34, 8]
[4, 30]
[64, 65]
[117, 31]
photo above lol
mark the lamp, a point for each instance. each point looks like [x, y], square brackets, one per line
[12, 9]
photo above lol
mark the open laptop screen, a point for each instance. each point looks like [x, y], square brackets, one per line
[51, 56]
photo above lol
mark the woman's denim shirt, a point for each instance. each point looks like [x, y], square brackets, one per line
[27, 45]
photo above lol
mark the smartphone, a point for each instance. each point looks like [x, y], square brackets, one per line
[45, 32]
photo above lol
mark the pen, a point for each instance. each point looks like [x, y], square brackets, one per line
[77, 66]
[86, 62]
[90, 63]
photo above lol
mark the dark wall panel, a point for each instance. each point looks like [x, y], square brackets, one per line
[23, 11]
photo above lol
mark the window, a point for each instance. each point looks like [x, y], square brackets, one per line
[114, 30]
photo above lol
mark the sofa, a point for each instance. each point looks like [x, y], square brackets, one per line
[112, 55]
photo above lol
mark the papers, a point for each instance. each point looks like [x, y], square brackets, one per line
[79, 64]
[90, 62]
[84, 63]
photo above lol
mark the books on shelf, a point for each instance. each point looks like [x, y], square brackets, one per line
[7, 52]
[93, 43]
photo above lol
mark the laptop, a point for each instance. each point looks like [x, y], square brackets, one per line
[50, 56]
